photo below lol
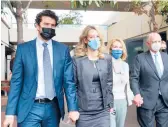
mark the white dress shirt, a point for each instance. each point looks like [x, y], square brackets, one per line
[41, 86]
[121, 84]
[159, 58]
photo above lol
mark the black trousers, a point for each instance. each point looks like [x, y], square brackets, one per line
[147, 117]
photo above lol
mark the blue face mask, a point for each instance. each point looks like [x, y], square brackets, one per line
[94, 44]
[116, 53]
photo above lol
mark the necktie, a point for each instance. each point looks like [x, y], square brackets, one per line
[48, 75]
[158, 66]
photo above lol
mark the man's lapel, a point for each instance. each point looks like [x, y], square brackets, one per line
[151, 62]
[56, 56]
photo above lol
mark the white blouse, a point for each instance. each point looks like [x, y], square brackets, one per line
[121, 84]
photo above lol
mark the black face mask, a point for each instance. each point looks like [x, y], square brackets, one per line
[164, 50]
[47, 33]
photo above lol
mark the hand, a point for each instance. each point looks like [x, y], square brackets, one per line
[9, 121]
[138, 100]
[111, 110]
[69, 121]
[73, 116]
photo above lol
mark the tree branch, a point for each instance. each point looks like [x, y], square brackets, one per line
[145, 4]
[28, 5]
[11, 8]
[144, 11]
[149, 22]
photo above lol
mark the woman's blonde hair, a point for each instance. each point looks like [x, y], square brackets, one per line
[110, 44]
[81, 48]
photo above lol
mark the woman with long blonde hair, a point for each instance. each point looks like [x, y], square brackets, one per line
[93, 76]
[123, 95]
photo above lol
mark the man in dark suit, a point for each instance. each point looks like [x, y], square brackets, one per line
[42, 72]
[149, 83]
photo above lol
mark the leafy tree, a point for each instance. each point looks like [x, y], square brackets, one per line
[154, 8]
[71, 18]
[19, 14]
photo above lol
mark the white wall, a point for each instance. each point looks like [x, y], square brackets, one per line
[132, 26]
[117, 16]
[63, 34]
[3, 62]
[4, 33]
[4, 42]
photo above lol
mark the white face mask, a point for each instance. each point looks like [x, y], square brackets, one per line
[156, 47]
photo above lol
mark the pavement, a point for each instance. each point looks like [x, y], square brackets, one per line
[131, 120]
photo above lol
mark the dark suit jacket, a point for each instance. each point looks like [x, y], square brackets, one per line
[146, 81]
[25, 77]
[83, 78]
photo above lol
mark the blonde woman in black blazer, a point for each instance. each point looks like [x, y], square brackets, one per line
[93, 77]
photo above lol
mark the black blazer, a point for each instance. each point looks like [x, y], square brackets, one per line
[146, 81]
[83, 78]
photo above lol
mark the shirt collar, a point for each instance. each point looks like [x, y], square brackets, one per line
[40, 42]
[153, 54]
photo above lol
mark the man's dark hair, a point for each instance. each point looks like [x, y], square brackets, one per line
[47, 13]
